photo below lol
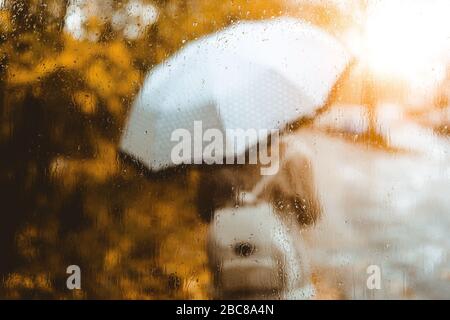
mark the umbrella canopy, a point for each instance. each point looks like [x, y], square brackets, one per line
[252, 75]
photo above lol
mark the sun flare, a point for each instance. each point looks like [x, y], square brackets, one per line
[407, 39]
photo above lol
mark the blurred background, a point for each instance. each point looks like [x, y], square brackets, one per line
[69, 71]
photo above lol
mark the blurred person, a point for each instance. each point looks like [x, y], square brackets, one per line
[331, 204]
[255, 75]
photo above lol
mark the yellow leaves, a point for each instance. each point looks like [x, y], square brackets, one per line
[119, 55]
[94, 27]
[25, 241]
[105, 165]
[112, 259]
[183, 254]
[5, 21]
[98, 76]
[18, 280]
[138, 217]
[23, 281]
[198, 285]
[120, 252]
[98, 169]
[140, 236]
[70, 59]
[131, 81]
[86, 101]
[129, 289]
[113, 77]
[115, 106]
[186, 20]
[106, 68]
[19, 74]
[78, 53]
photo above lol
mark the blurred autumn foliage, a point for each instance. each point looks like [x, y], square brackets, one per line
[66, 197]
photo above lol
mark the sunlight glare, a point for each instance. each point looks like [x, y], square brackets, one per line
[407, 39]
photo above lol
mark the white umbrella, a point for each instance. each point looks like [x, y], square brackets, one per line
[251, 75]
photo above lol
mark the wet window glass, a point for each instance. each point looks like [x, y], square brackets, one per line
[210, 149]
